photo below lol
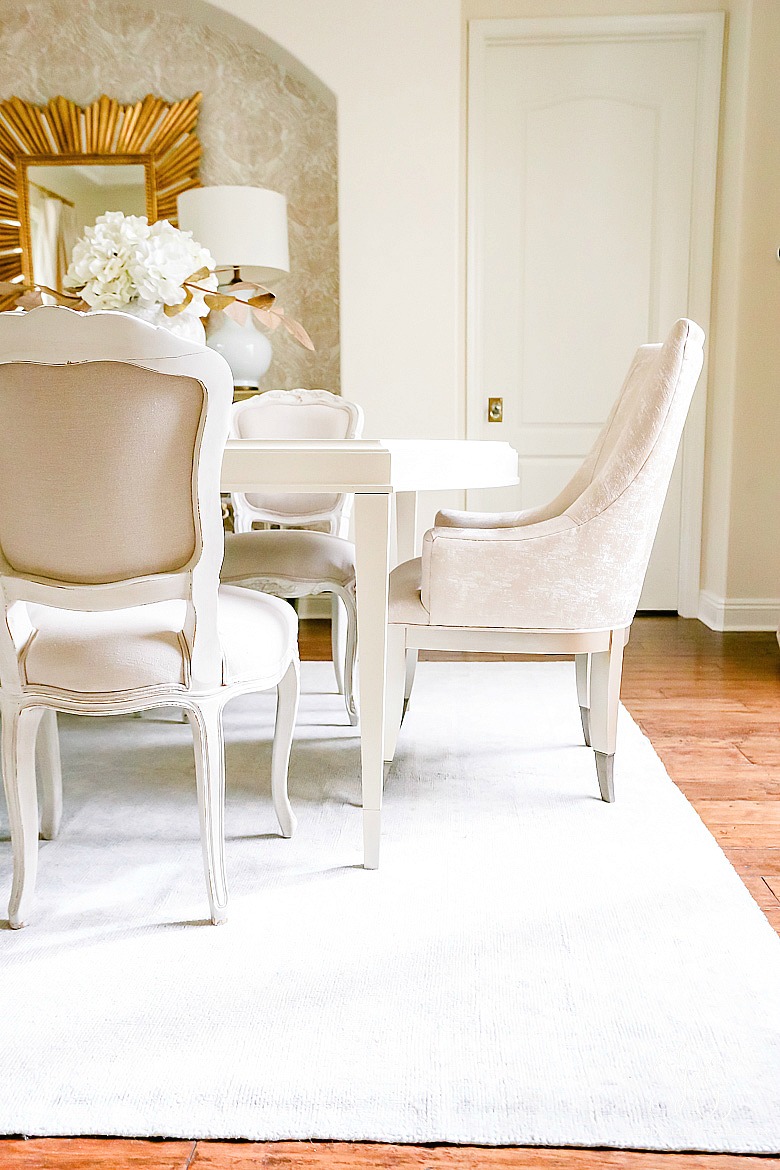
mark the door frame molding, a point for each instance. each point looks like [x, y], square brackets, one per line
[706, 29]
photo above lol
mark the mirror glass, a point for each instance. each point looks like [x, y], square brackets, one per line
[64, 200]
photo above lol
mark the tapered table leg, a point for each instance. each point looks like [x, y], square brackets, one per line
[406, 525]
[372, 563]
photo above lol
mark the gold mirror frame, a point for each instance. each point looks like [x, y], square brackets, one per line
[157, 134]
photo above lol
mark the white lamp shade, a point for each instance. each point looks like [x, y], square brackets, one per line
[244, 227]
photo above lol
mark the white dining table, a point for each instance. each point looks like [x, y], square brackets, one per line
[380, 473]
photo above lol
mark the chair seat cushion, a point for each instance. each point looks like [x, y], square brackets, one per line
[405, 605]
[259, 635]
[288, 555]
[128, 649]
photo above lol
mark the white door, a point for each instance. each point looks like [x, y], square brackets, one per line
[586, 179]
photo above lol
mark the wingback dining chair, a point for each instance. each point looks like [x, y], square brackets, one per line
[564, 578]
[110, 546]
[306, 552]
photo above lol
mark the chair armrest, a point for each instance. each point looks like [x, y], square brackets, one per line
[502, 533]
[449, 518]
[551, 575]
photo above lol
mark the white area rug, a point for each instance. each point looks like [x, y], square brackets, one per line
[529, 966]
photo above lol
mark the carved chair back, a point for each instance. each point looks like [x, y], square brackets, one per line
[110, 458]
[295, 414]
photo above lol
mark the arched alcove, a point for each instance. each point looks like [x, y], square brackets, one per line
[265, 120]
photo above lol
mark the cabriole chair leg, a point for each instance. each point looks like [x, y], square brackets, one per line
[20, 726]
[350, 654]
[206, 723]
[287, 693]
[50, 770]
[338, 640]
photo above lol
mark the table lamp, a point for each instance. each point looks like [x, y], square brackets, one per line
[244, 228]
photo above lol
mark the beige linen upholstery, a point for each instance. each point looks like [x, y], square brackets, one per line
[292, 416]
[295, 414]
[111, 540]
[406, 607]
[572, 570]
[124, 512]
[297, 560]
[270, 555]
[129, 649]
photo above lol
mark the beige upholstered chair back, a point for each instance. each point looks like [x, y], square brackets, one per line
[579, 562]
[639, 442]
[110, 453]
[96, 470]
[646, 420]
[295, 414]
[617, 497]
[623, 483]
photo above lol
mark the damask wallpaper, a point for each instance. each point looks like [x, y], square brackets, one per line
[259, 125]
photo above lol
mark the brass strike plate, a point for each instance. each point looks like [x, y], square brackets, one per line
[495, 410]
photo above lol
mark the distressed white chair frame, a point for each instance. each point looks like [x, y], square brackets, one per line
[53, 337]
[304, 414]
[295, 414]
[598, 533]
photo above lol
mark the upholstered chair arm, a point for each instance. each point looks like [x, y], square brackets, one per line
[449, 518]
[556, 574]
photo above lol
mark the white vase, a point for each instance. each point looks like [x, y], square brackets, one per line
[186, 325]
[245, 347]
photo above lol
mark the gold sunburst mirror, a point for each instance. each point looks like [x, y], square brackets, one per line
[62, 165]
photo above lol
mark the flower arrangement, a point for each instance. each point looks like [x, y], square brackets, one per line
[126, 263]
[124, 260]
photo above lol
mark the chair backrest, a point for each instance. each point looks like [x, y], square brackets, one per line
[646, 420]
[110, 453]
[638, 444]
[581, 560]
[294, 414]
[616, 498]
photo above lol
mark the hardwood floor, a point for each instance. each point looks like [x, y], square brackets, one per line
[710, 703]
[124, 1154]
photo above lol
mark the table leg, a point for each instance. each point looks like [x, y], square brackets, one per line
[406, 525]
[408, 549]
[372, 563]
[399, 660]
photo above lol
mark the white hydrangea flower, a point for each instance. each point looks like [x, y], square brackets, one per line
[124, 260]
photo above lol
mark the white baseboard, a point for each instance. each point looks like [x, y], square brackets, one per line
[739, 613]
[733, 613]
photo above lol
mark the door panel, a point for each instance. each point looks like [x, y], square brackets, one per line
[581, 196]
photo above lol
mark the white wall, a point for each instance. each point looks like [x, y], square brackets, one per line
[754, 507]
[741, 552]
[397, 68]
[394, 66]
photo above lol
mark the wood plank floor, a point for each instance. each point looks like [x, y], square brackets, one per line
[710, 703]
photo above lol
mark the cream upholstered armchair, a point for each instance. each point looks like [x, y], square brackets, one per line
[294, 558]
[110, 546]
[564, 578]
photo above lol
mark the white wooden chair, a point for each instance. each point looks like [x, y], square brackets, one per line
[110, 546]
[564, 578]
[308, 552]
